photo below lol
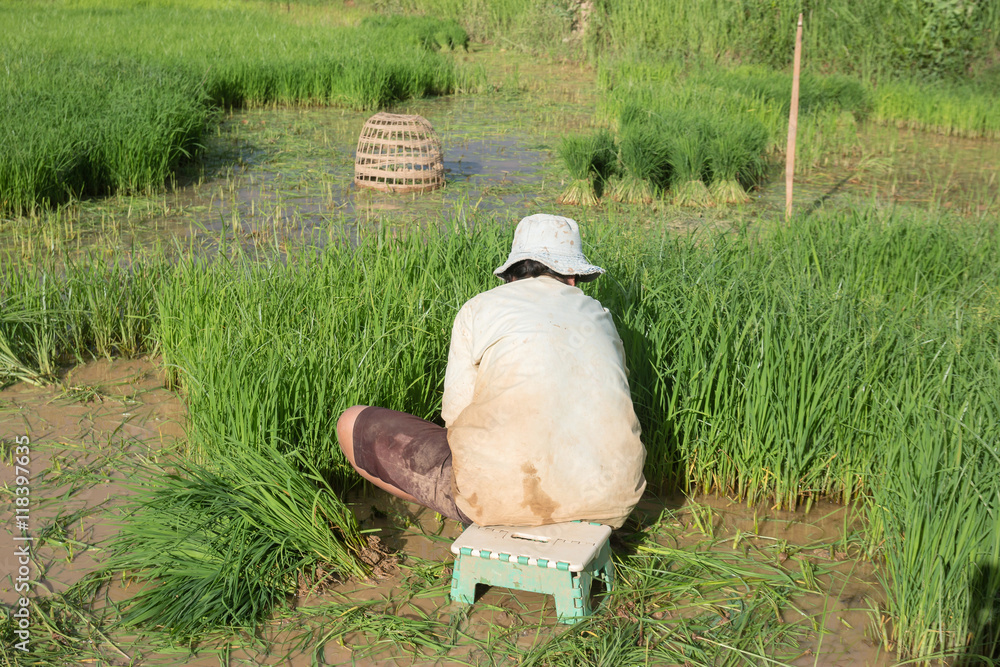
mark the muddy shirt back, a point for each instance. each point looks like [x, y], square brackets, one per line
[537, 405]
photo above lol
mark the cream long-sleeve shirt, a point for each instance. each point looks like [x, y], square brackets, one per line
[538, 410]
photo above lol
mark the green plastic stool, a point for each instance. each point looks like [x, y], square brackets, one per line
[560, 560]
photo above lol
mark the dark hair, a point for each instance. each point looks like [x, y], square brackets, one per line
[530, 268]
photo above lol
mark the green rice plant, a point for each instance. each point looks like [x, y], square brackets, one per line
[677, 606]
[956, 109]
[274, 352]
[98, 98]
[53, 312]
[373, 625]
[938, 511]
[64, 631]
[577, 154]
[642, 88]
[424, 31]
[108, 125]
[220, 548]
[878, 39]
[604, 160]
[590, 160]
[644, 164]
[688, 156]
[735, 159]
[849, 355]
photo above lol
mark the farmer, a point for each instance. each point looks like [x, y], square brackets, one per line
[539, 421]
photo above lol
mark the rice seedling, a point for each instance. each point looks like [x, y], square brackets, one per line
[604, 160]
[676, 606]
[958, 109]
[644, 164]
[735, 159]
[317, 336]
[57, 311]
[63, 631]
[851, 355]
[577, 155]
[877, 40]
[942, 555]
[688, 156]
[372, 626]
[831, 107]
[590, 160]
[220, 548]
[126, 96]
[423, 31]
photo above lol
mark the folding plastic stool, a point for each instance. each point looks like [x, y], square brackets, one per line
[561, 560]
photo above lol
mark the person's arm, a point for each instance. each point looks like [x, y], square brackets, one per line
[460, 376]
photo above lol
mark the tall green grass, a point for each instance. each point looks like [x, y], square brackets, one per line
[960, 108]
[668, 89]
[645, 164]
[671, 149]
[102, 98]
[67, 312]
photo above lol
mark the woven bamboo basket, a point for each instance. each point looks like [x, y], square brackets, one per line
[398, 153]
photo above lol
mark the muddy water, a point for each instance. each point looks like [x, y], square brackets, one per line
[824, 538]
[107, 416]
[903, 168]
[296, 176]
[270, 176]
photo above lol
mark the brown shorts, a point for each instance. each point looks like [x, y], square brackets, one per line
[410, 453]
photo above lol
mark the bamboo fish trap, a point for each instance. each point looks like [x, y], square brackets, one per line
[398, 153]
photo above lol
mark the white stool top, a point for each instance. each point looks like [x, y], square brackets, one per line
[564, 546]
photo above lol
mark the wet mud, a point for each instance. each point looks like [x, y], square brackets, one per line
[108, 416]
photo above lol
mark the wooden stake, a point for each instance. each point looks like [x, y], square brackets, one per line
[793, 122]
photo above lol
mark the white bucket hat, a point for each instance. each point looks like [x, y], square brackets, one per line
[555, 242]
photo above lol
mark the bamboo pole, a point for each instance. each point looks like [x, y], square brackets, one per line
[793, 122]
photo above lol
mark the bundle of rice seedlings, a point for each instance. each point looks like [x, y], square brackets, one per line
[219, 548]
[644, 165]
[591, 161]
[576, 154]
[688, 159]
[735, 159]
[604, 159]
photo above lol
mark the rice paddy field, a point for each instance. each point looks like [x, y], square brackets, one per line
[192, 290]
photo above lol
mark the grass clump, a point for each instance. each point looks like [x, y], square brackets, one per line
[956, 109]
[688, 157]
[590, 160]
[93, 127]
[644, 165]
[271, 352]
[667, 146]
[735, 159]
[220, 548]
[58, 312]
